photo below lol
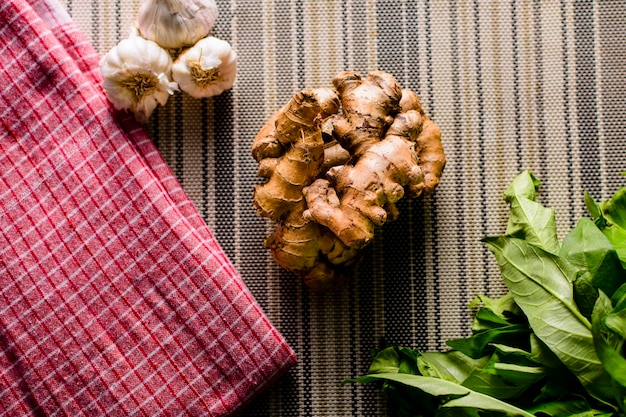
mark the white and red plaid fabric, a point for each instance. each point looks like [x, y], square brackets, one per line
[115, 299]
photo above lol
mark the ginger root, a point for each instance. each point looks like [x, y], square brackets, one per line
[336, 162]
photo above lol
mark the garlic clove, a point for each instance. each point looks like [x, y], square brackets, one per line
[136, 76]
[206, 69]
[175, 24]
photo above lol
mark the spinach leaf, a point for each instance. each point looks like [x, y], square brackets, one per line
[615, 320]
[576, 407]
[495, 313]
[588, 248]
[619, 298]
[594, 210]
[451, 395]
[453, 365]
[542, 354]
[613, 361]
[541, 284]
[385, 360]
[395, 359]
[478, 344]
[504, 381]
[538, 355]
[614, 210]
[610, 217]
[617, 237]
[406, 401]
[529, 220]
[495, 320]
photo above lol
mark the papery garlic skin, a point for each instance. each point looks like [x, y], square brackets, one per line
[175, 24]
[206, 69]
[137, 76]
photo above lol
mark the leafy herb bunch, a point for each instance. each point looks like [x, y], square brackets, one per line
[552, 346]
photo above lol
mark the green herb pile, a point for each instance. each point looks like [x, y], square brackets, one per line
[552, 346]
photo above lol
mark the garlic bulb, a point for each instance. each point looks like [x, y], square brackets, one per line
[137, 76]
[174, 24]
[206, 69]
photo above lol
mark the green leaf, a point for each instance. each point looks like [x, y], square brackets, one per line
[611, 359]
[560, 385]
[504, 381]
[594, 210]
[585, 293]
[588, 248]
[453, 365]
[542, 354]
[617, 237]
[616, 323]
[477, 345]
[529, 220]
[395, 359]
[385, 361]
[504, 375]
[452, 394]
[614, 211]
[492, 385]
[408, 402]
[577, 407]
[494, 313]
[538, 355]
[462, 412]
[408, 361]
[541, 284]
[519, 375]
[619, 298]
[511, 354]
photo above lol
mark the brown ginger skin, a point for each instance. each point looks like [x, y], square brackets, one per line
[291, 152]
[428, 147]
[368, 108]
[335, 174]
[311, 251]
[357, 198]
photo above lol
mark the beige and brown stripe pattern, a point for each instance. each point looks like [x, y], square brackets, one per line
[513, 85]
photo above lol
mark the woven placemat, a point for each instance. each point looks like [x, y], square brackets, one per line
[512, 85]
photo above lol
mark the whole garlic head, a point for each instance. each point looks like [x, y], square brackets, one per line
[175, 24]
[137, 75]
[206, 69]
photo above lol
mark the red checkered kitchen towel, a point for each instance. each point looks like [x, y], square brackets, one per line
[115, 299]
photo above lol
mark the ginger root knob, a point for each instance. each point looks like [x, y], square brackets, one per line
[336, 162]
